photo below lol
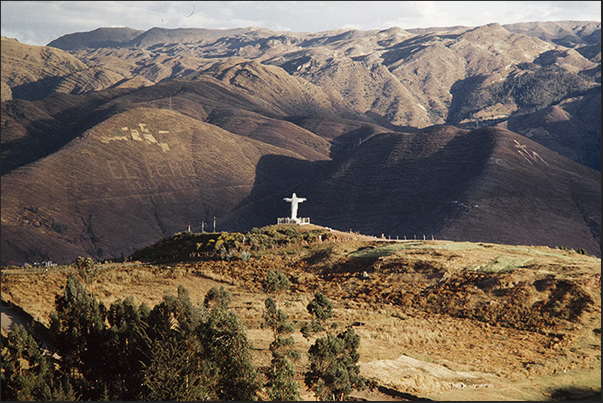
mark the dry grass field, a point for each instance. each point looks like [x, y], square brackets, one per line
[438, 320]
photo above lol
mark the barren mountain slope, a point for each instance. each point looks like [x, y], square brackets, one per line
[569, 128]
[99, 37]
[33, 130]
[407, 78]
[412, 78]
[40, 138]
[135, 177]
[489, 185]
[302, 96]
[566, 33]
[31, 72]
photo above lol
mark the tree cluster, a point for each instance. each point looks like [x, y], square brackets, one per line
[175, 351]
[334, 372]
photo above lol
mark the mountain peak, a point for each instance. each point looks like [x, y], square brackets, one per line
[487, 32]
[6, 38]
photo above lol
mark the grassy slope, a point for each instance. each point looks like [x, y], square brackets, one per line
[412, 340]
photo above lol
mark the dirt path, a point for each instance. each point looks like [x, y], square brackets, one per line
[12, 315]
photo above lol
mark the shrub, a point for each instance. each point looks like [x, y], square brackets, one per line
[275, 282]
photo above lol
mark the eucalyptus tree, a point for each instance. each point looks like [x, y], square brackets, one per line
[333, 372]
[281, 384]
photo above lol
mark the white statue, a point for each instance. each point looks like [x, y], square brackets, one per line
[294, 200]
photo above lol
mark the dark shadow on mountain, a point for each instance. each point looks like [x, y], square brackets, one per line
[549, 58]
[406, 48]
[348, 140]
[73, 116]
[466, 100]
[382, 121]
[360, 192]
[276, 177]
[576, 136]
[37, 89]
[371, 192]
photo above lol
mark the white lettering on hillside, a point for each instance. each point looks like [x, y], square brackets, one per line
[141, 134]
[528, 155]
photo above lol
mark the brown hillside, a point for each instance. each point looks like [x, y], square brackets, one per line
[138, 176]
[407, 78]
[566, 33]
[417, 78]
[277, 132]
[100, 37]
[437, 320]
[31, 71]
[325, 114]
[566, 128]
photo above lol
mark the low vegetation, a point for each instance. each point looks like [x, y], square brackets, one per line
[226, 245]
[320, 314]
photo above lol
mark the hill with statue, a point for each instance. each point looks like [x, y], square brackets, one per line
[436, 320]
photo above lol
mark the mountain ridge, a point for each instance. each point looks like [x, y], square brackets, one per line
[415, 78]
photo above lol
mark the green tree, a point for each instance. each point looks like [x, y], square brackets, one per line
[197, 352]
[172, 367]
[227, 351]
[217, 298]
[321, 310]
[334, 372]
[87, 269]
[281, 373]
[275, 282]
[26, 371]
[78, 329]
[124, 350]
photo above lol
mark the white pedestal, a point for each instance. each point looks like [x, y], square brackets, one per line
[295, 221]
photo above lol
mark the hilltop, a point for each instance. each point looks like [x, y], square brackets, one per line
[437, 319]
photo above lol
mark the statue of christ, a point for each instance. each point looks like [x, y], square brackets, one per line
[294, 200]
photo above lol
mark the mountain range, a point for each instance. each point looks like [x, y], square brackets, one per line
[115, 138]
